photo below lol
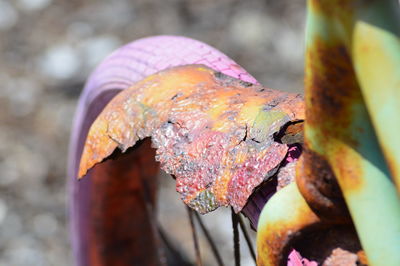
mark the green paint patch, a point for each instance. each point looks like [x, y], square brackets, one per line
[267, 123]
[204, 202]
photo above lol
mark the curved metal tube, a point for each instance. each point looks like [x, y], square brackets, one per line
[282, 219]
[119, 71]
[342, 143]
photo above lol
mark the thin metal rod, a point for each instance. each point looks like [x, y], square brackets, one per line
[174, 257]
[149, 207]
[194, 235]
[214, 249]
[247, 237]
[236, 240]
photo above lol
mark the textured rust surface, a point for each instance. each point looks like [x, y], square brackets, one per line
[118, 188]
[317, 241]
[333, 8]
[333, 92]
[293, 133]
[348, 165]
[214, 133]
[329, 245]
[286, 175]
[319, 187]
[334, 102]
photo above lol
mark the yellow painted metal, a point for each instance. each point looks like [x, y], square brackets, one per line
[376, 57]
[338, 127]
[280, 221]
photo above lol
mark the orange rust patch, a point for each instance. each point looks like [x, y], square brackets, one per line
[334, 103]
[201, 122]
[332, 91]
[289, 223]
[362, 257]
[333, 8]
[274, 239]
[294, 129]
[293, 133]
[342, 159]
[318, 185]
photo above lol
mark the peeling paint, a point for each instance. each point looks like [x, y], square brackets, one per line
[214, 133]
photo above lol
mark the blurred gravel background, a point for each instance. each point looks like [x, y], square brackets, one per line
[49, 47]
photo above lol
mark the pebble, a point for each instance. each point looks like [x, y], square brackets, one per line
[45, 224]
[97, 48]
[11, 226]
[3, 211]
[8, 15]
[60, 62]
[9, 172]
[34, 5]
[249, 27]
[22, 95]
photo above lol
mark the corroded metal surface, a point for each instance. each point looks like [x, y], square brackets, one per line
[319, 187]
[214, 133]
[342, 155]
[281, 220]
[287, 222]
[110, 220]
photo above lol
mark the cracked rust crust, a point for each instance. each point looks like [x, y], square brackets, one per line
[214, 133]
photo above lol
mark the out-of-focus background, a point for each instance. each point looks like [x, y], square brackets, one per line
[47, 50]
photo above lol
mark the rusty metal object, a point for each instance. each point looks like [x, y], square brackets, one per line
[293, 133]
[341, 146]
[281, 220]
[287, 222]
[342, 169]
[319, 187]
[116, 238]
[214, 133]
[332, 94]
[376, 57]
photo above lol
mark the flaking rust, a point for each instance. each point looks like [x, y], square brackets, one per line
[214, 133]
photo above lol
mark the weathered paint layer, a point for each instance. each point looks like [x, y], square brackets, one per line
[338, 125]
[376, 54]
[281, 220]
[287, 223]
[214, 133]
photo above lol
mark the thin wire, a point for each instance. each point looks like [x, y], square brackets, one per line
[176, 258]
[214, 249]
[195, 239]
[236, 240]
[152, 220]
[247, 237]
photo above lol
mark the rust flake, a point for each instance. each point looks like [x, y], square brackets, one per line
[214, 133]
